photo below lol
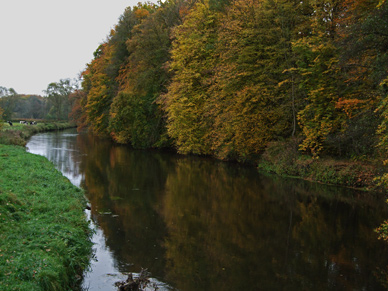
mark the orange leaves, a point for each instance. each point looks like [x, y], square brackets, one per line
[183, 11]
[141, 13]
[350, 106]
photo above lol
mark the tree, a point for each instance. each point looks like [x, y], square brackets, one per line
[77, 100]
[1, 114]
[99, 89]
[321, 79]
[135, 116]
[7, 102]
[249, 107]
[101, 79]
[58, 96]
[193, 65]
[35, 107]
[224, 97]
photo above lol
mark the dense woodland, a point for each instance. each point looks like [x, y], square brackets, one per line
[228, 78]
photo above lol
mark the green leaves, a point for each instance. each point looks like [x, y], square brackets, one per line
[58, 98]
[7, 103]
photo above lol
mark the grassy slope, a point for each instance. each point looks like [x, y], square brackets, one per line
[19, 133]
[44, 236]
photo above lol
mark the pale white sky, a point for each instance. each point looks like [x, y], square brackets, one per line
[43, 41]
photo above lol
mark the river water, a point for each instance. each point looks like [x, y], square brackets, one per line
[200, 224]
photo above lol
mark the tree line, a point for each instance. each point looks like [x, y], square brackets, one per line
[228, 77]
[55, 105]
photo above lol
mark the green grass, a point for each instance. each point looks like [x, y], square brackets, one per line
[19, 133]
[44, 236]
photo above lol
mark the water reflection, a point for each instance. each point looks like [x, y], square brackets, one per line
[199, 224]
[229, 229]
[60, 148]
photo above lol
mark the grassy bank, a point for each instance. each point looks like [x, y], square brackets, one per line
[284, 159]
[44, 236]
[17, 134]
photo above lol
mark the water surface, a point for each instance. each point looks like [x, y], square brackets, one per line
[201, 224]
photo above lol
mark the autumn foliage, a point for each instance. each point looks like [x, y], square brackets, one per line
[226, 78]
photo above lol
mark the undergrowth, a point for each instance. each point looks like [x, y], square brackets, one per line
[284, 158]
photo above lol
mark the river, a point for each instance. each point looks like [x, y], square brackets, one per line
[200, 224]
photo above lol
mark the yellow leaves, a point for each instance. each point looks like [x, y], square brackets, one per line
[317, 122]
[193, 63]
[381, 3]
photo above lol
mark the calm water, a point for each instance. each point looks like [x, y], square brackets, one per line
[200, 224]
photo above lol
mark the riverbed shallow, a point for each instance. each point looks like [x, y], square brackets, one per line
[201, 224]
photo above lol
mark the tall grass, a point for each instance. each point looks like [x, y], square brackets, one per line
[44, 236]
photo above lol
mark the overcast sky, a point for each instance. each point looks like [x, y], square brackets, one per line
[43, 41]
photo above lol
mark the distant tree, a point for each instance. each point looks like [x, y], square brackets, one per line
[58, 98]
[36, 107]
[29, 106]
[1, 114]
[7, 102]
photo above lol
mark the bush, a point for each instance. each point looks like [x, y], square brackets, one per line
[283, 158]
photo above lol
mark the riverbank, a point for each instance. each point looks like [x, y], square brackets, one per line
[18, 134]
[284, 159]
[44, 236]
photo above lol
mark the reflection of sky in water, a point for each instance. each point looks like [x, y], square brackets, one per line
[61, 149]
[103, 273]
[57, 149]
